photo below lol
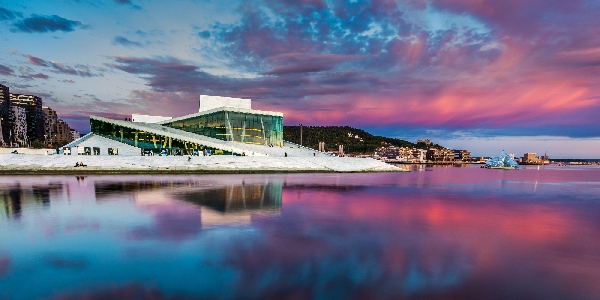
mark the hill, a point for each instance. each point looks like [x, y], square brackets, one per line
[355, 140]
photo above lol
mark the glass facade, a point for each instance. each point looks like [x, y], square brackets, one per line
[235, 126]
[146, 140]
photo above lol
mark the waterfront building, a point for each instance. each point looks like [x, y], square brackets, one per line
[222, 125]
[529, 158]
[401, 154]
[418, 155]
[462, 155]
[440, 155]
[390, 152]
[34, 114]
[235, 122]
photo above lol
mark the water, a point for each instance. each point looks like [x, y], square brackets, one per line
[434, 233]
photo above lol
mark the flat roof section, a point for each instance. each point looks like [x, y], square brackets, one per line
[211, 102]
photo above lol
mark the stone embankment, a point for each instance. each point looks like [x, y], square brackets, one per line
[65, 164]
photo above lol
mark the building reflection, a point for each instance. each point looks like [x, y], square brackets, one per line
[235, 204]
[13, 198]
[225, 202]
[110, 189]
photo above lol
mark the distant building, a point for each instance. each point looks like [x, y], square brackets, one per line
[462, 155]
[50, 121]
[419, 155]
[18, 135]
[529, 158]
[427, 142]
[74, 134]
[23, 120]
[390, 152]
[440, 155]
[4, 114]
[63, 132]
[34, 114]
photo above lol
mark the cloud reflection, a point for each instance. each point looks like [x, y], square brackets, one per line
[418, 235]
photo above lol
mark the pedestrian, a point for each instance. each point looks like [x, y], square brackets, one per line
[286, 154]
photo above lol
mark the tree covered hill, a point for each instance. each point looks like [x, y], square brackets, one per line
[354, 140]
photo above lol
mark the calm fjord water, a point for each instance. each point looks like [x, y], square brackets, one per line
[434, 233]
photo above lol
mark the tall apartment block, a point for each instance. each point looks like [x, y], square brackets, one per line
[50, 121]
[63, 132]
[4, 115]
[23, 120]
[34, 115]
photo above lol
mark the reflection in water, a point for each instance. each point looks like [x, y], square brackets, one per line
[460, 233]
[237, 197]
[235, 204]
[15, 196]
[230, 202]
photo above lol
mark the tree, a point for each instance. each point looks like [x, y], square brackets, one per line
[37, 144]
[61, 143]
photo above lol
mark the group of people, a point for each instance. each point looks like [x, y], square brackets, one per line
[80, 164]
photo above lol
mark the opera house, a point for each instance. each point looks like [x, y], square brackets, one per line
[222, 125]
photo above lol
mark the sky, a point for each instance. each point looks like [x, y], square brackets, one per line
[482, 75]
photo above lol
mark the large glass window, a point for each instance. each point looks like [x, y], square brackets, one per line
[146, 140]
[235, 126]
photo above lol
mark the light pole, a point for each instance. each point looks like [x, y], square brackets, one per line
[300, 134]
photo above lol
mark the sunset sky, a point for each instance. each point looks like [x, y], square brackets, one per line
[485, 75]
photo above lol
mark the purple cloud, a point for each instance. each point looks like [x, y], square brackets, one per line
[40, 76]
[305, 63]
[119, 40]
[7, 15]
[61, 68]
[41, 24]
[204, 34]
[128, 2]
[6, 71]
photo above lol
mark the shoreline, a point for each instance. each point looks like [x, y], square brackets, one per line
[12, 164]
[172, 171]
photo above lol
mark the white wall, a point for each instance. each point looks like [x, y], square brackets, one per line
[28, 151]
[104, 144]
[148, 119]
[212, 102]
